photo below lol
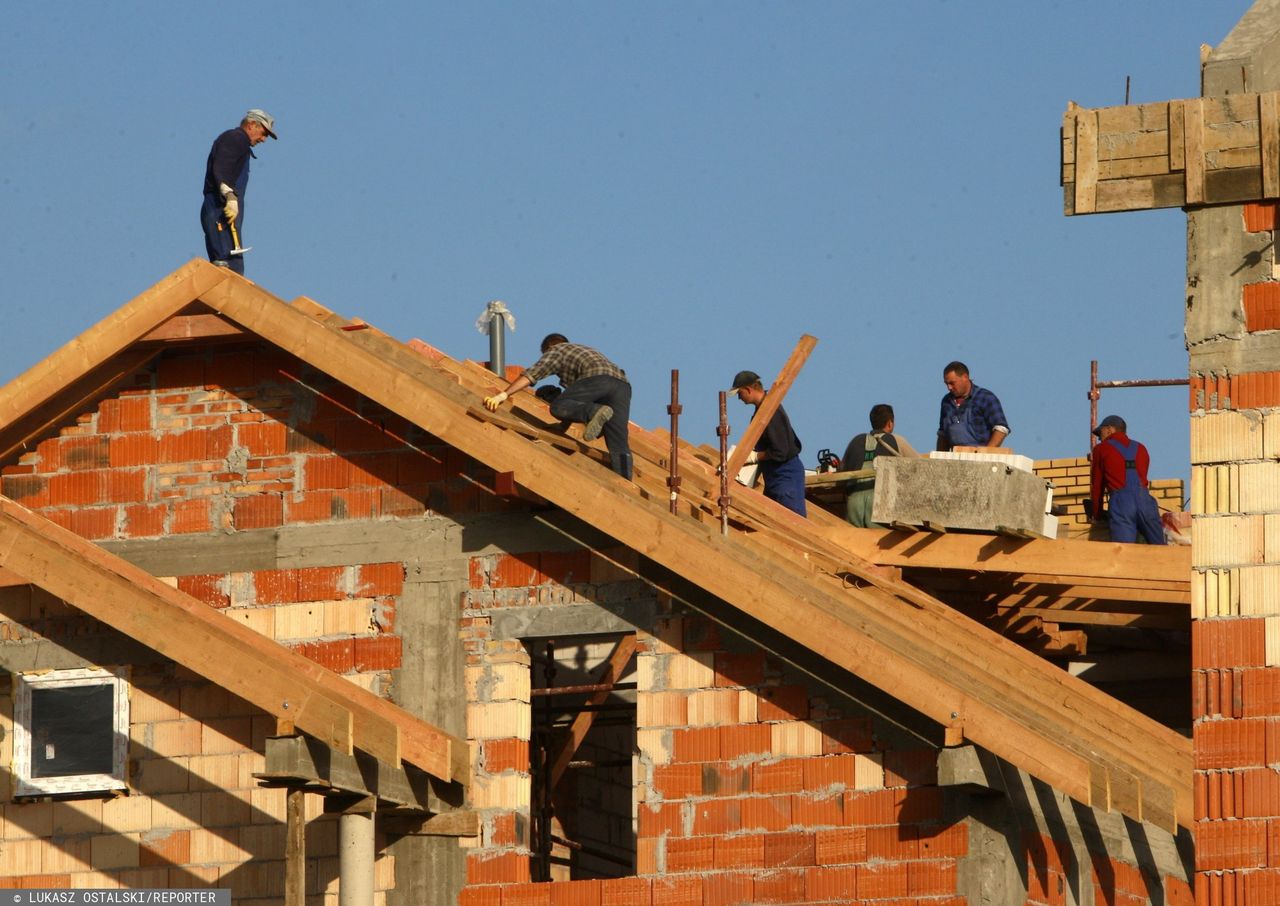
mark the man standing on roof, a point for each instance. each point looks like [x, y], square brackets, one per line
[226, 176]
[971, 415]
[596, 392]
[778, 449]
[862, 453]
[1119, 466]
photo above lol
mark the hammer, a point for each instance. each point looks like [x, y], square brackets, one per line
[235, 240]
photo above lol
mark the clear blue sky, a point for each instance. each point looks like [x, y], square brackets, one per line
[684, 185]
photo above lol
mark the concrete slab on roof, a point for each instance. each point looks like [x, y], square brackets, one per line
[958, 495]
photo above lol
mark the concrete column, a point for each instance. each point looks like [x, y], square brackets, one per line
[355, 859]
[1234, 477]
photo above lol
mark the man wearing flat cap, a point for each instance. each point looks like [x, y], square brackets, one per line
[778, 449]
[1118, 467]
[226, 176]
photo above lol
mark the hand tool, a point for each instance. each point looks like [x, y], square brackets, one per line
[235, 241]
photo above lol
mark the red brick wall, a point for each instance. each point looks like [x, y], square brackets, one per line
[239, 440]
[199, 443]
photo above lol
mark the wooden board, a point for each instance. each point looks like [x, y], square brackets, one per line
[1180, 153]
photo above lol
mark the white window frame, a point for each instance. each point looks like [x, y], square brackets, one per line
[24, 684]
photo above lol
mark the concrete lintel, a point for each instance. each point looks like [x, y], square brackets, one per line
[572, 619]
[85, 651]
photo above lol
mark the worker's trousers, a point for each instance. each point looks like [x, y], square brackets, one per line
[784, 482]
[1134, 511]
[217, 237]
[581, 399]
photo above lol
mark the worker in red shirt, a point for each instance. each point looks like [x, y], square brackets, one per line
[1119, 467]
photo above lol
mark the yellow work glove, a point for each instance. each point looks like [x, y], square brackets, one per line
[230, 208]
[493, 402]
[752, 458]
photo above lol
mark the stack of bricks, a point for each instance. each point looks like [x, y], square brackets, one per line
[1070, 480]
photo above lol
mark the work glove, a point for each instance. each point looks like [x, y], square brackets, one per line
[752, 458]
[230, 208]
[493, 402]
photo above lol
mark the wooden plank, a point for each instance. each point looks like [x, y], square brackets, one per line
[193, 327]
[295, 849]
[107, 338]
[773, 399]
[298, 761]
[1193, 149]
[276, 679]
[168, 621]
[72, 400]
[583, 720]
[1177, 137]
[1086, 175]
[457, 823]
[1269, 129]
[1063, 558]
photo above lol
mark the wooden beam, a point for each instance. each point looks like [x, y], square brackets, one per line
[1193, 155]
[203, 327]
[1070, 561]
[280, 681]
[1086, 173]
[582, 722]
[107, 338]
[1269, 129]
[457, 823]
[295, 849]
[772, 400]
[302, 761]
[17, 436]
[1056, 728]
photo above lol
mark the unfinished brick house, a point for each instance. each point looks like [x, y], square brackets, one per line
[338, 630]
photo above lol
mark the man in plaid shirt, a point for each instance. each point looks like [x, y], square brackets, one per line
[971, 415]
[596, 392]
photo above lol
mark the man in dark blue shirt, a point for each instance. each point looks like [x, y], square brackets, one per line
[778, 449]
[971, 415]
[226, 176]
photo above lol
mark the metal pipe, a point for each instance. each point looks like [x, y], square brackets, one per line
[723, 432]
[591, 687]
[497, 345]
[673, 480]
[355, 859]
[1096, 386]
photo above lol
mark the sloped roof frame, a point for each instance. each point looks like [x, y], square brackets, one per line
[1033, 715]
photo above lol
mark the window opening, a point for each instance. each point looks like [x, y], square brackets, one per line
[71, 731]
[582, 757]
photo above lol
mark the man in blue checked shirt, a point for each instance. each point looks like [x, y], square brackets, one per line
[971, 415]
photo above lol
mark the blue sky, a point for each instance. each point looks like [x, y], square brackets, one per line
[684, 185]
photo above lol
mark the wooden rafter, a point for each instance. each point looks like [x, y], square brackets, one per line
[583, 720]
[773, 399]
[934, 660]
[830, 599]
[279, 681]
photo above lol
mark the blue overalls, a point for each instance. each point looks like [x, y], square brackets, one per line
[960, 428]
[1132, 508]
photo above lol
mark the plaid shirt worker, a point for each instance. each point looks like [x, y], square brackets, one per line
[571, 362]
[971, 420]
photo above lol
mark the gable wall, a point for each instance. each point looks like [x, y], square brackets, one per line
[200, 450]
